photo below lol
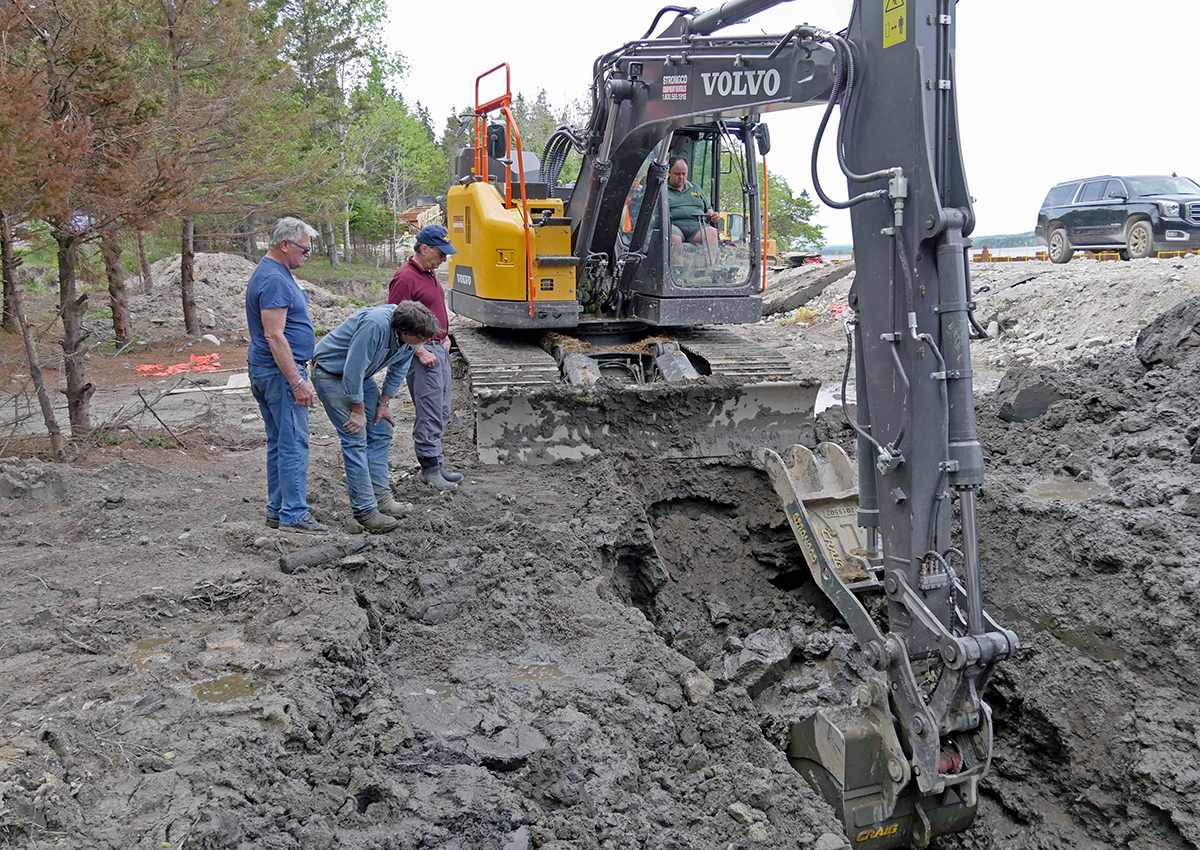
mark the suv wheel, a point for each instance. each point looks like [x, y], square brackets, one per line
[1141, 240]
[1060, 246]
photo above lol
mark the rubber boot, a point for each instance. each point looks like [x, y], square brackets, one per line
[449, 474]
[432, 475]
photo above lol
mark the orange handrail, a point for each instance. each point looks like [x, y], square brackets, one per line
[503, 103]
[766, 194]
[481, 111]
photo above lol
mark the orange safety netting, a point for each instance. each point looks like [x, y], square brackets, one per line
[203, 363]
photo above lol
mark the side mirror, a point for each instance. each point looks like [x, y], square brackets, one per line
[762, 135]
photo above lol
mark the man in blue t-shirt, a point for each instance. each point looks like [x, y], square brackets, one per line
[281, 343]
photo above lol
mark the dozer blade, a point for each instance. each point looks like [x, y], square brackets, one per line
[524, 413]
[711, 417]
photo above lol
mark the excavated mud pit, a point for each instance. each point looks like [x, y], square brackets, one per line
[582, 655]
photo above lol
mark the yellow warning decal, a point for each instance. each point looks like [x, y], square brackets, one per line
[894, 26]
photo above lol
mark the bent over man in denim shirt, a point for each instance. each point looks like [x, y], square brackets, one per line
[346, 361]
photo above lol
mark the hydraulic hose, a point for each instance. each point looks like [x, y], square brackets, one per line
[843, 85]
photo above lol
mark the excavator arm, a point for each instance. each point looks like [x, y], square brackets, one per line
[903, 765]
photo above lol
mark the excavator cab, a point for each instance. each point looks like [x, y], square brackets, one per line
[718, 166]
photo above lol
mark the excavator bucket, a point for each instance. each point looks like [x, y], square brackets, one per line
[526, 414]
[853, 756]
[844, 756]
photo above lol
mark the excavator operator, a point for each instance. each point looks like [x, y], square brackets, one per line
[688, 209]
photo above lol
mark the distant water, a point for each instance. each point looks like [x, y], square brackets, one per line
[1027, 251]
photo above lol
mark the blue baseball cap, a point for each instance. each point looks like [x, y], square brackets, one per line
[435, 235]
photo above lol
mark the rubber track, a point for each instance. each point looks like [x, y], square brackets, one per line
[497, 362]
[728, 354]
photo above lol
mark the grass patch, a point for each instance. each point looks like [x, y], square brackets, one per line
[318, 270]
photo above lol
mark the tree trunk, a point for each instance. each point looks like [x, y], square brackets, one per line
[331, 238]
[191, 319]
[202, 243]
[74, 308]
[391, 244]
[246, 238]
[35, 373]
[349, 252]
[144, 263]
[8, 267]
[122, 322]
[300, 561]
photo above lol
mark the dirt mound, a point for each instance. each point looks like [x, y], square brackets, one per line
[219, 282]
[1090, 527]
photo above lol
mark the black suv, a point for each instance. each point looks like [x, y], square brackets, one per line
[1138, 216]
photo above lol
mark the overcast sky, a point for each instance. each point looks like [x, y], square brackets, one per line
[1048, 90]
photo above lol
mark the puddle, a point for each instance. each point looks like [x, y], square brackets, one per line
[540, 673]
[226, 688]
[1066, 490]
[830, 395]
[148, 652]
[152, 643]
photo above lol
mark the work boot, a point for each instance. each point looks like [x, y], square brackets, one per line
[391, 507]
[378, 523]
[449, 474]
[432, 476]
[307, 525]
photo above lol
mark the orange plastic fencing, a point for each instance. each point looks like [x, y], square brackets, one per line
[203, 363]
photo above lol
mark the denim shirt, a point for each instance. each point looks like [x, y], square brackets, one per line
[361, 346]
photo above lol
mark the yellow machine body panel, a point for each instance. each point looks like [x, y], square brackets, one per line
[490, 265]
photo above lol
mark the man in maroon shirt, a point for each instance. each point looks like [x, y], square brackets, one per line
[429, 375]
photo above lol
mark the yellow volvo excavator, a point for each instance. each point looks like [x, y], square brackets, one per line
[578, 268]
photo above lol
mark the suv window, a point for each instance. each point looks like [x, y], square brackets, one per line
[1115, 189]
[1093, 191]
[1139, 186]
[1060, 195]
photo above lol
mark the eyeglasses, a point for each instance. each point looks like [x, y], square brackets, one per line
[303, 251]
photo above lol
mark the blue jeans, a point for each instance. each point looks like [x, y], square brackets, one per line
[430, 391]
[365, 454]
[287, 444]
